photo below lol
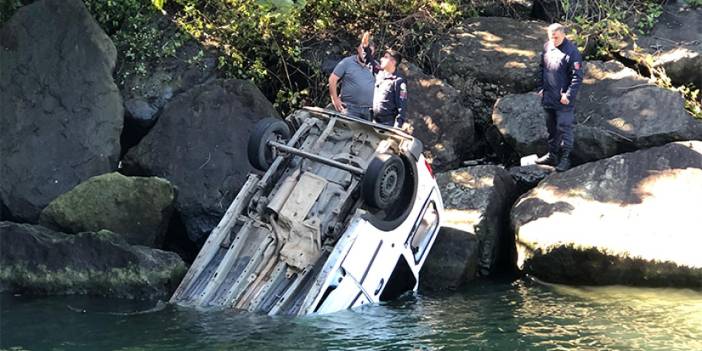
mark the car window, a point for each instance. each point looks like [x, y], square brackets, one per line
[426, 228]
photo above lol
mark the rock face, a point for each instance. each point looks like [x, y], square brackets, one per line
[616, 109]
[438, 118]
[631, 219]
[199, 145]
[61, 114]
[477, 200]
[453, 260]
[38, 261]
[675, 44]
[138, 208]
[495, 50]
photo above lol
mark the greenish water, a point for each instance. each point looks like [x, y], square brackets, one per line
[520, 315]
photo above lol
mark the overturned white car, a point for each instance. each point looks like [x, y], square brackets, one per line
[344, 215]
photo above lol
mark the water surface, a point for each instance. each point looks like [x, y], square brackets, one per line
[519, 315]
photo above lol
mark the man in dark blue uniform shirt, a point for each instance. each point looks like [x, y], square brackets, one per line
[390, 95]
[560, 77]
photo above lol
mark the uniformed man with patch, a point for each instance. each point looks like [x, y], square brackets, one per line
[560, 76]
[390, 95]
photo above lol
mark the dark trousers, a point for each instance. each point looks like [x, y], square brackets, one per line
[560, 125]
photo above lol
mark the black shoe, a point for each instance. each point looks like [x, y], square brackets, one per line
[549, 159]
[564, 163]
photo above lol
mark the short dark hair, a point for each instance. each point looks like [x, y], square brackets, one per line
[395, 55]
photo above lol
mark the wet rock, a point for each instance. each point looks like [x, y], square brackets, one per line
[38, 261]
[438, 118]
[616, 110]
[674, 43]
[528, 177]
[61, 113]
[477, 200]
[631, 219]
[199, 145]
[137, 208]
[452, 261]
[493, 50]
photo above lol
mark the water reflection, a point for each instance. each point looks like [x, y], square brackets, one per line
[524, 315]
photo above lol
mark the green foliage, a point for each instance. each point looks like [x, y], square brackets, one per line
[7, 9]
[264, 40]
[694, 3]
[133, 27]
[649, 16]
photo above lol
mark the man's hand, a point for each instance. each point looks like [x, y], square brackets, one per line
[564, 99]
[338, 104]
[540, 93]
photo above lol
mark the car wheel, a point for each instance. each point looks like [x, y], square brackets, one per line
[383, 181]
[261, 155]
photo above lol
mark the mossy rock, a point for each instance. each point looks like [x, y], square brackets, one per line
[139, 208]
[38, 261]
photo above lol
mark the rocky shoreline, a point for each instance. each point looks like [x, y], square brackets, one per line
[95, 182]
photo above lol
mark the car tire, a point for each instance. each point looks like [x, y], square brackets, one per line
[383, 181]
[261, 155]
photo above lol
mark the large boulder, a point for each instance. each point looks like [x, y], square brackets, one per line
[495, 50]
[61, 113]
[477, 201]
[616, 110]
[138, 208]
[674, 43]
[199, 145]
[631, 219]
[438, 118]
[37, 261]
[452, 261]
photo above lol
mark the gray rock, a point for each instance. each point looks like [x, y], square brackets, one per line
[675, 43]
[495, 50]
[146, 95]
[617, 111]
[37, 261]
[631, 219]
[61, 114]
[438, 118]
[477, 200]
[137, 208]
[528, 177]
[453, 260]
[199, 145]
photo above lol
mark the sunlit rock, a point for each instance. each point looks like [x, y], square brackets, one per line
[495, 50]
[616, 110]
[674, 43]
[438, 118]
[632, 219]
[477, 201]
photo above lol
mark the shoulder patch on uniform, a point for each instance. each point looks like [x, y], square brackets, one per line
[403, 90]
[576, 65]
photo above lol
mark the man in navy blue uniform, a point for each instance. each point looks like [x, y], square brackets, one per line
[560, 77]
[390, 95]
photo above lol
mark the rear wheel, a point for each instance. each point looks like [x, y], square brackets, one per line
[383, 181]
[261, 155]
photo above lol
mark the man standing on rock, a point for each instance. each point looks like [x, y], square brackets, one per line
[390, 96]
[356, 75]
[560, 77]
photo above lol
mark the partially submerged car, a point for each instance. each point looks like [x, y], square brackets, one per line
[344, 216]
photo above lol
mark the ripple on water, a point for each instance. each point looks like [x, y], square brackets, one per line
[524, 315]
